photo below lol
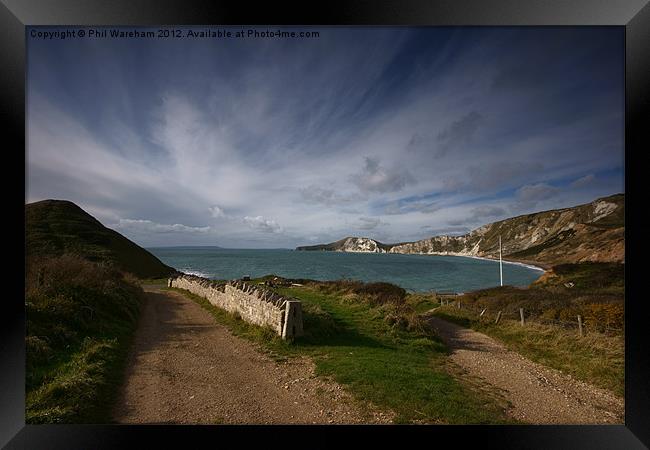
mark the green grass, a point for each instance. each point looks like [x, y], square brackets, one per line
[378, 351]
[80, 322]
[594, 358]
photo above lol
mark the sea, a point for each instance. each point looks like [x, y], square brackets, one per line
[417, 273]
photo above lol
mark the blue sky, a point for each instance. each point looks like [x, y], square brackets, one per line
[391, 133]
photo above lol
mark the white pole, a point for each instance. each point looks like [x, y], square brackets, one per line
[500, 262]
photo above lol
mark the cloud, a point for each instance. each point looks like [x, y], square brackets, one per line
[149, 226]
[327, 197]
[479, 215]
[536, 192]
[528, 196]
[413, 132]
[402, 207]
[216, 212]
[369, 223]
[459, 132]
[259, 223]
[451, 230]
[376, 178]
[584, 181]
[493, 175]
[483, 211]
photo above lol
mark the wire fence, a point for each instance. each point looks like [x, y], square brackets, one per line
[581, 325]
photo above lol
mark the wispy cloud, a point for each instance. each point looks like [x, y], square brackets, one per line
[273, 143]
[584, 181]
[153, 227]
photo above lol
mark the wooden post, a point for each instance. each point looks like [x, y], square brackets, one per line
[521, 314]
[498, 317]
[580, 325]
[458, 303]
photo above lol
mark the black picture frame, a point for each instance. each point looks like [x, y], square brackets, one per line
[634, 15]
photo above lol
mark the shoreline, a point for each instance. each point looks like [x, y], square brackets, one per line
[516, 263]
[528, 265]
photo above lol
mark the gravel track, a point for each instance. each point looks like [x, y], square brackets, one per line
[537, 394]
[186, 368]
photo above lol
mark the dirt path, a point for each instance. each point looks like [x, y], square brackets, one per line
[537, 394]
[186, 368]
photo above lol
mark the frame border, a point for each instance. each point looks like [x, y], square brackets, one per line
[634, 15]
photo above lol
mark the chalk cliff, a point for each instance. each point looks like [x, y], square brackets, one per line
[591, 232]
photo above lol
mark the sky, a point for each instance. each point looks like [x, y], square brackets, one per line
[396, 134]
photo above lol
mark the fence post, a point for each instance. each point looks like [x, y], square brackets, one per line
[498, 317]
[458, 303]
[521, 314]
[580, 324]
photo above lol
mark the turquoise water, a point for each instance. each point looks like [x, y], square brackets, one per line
[413, 272]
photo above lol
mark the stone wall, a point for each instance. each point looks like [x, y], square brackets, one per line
[253, 303]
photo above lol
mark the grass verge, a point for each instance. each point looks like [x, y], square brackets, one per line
[80, 321]
[368, 338]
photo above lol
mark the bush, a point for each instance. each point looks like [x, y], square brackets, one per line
[382, 293]
[375, 294]
[604, 316]
[596, 293]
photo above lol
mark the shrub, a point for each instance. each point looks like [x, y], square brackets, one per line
[604, 316]
[382, 293]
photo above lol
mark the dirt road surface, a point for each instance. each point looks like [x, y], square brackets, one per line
[537, 394]
[186, 368]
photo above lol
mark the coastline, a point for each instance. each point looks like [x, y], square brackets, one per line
[529, 265]
[516, 263]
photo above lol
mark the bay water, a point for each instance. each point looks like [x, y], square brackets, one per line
[412, 272]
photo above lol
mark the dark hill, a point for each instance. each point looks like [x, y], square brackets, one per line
[55, 227]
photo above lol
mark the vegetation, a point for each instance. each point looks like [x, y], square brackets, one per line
[55, 227]
[370, 338]
[596, 358]
[80, 320]
[593, 290]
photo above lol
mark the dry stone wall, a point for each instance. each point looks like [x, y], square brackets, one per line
[253, 303]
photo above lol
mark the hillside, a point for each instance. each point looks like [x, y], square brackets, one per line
[591, 232]
[55, 227]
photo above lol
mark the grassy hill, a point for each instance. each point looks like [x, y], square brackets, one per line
[57, 227]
